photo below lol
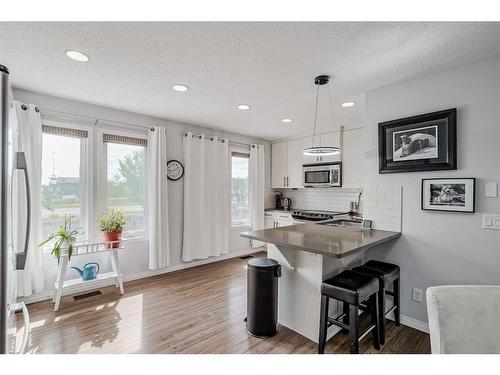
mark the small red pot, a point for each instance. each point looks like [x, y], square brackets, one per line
[113, 236]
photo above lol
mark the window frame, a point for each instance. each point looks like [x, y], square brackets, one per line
[244, 153]
[102, 178]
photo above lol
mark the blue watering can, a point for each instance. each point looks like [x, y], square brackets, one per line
[89, 272]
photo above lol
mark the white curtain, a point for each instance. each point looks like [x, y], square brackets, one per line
[159, 248]
[207, 214]
[29, 126]
[256, 189]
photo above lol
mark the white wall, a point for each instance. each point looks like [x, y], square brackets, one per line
[134, 258]
[439, 247]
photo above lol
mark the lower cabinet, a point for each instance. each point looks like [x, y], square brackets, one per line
[269, 223]
[275, 219]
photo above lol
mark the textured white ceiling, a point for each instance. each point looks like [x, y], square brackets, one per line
[270, 66]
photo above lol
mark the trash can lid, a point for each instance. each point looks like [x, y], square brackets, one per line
[262, 263]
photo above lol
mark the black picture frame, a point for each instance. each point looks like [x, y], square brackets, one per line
[441, 126]
[469, 206]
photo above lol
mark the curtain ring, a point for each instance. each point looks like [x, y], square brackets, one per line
[37, 110]
[24, 107]
[211, 139]
[152, 129]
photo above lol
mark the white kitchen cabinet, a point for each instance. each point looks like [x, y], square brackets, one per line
[330, 139]
[294, 159]
[327, 139]
[279, 164]
[306, 143]
[269, 223]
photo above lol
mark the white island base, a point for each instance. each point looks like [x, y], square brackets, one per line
[299, 295]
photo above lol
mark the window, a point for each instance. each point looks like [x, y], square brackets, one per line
[126, 180]
[240, 209]
[63, 189]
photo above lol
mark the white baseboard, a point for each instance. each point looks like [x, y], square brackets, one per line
[412, 323]
[142, 275]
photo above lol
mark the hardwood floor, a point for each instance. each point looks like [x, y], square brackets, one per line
[198, 310]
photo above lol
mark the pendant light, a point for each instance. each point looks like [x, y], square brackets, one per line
[321, 150]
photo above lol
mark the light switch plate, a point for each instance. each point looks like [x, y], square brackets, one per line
[491, 221]
[491, 190]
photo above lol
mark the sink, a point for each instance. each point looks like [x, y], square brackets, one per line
[342, 223]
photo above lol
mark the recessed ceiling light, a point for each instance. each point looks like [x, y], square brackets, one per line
[179, 87]
[77, 56]
[243, 107]
[286, 120]
[347, 104]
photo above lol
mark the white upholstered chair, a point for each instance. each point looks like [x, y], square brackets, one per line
[464, 318]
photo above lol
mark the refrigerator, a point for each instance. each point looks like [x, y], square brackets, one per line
[12, 259]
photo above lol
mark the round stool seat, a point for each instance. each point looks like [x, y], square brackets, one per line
[351, 287]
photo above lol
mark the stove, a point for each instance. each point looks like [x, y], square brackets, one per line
[309, 215]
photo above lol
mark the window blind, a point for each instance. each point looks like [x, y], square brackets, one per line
[125, 140]
[68, 132]
[240, 154]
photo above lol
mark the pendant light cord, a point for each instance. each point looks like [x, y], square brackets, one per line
[331, 105]
[315, 115]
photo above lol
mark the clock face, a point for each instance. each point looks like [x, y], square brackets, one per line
[175, 170]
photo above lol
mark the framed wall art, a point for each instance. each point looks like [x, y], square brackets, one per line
[448, 194]
[419, 143]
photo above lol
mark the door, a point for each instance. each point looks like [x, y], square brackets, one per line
[279, 156]
[330, 139]
[294, 176]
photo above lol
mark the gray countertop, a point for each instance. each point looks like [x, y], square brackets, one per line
[322, 239]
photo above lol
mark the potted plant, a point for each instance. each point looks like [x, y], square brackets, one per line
[111, 225]
[64, 240]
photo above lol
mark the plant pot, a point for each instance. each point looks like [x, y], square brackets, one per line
[112, 236]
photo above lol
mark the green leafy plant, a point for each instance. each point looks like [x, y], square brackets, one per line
[113, 221]
[63, 237]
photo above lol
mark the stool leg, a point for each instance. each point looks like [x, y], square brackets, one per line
[345, 312]
[396, 300]
[374, 311]
[354, 329]
[323, 324]
[381, 314]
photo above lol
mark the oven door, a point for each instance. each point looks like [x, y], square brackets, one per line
[317, 176]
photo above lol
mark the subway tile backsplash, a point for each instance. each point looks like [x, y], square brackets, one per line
[326, 199]
[382, 204]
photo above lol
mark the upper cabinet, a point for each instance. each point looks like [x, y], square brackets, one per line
[279, 164]
[294, 164]
[287, 159]
[286, 164]
[330, 139]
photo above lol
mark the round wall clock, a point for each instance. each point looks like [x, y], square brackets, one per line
[175, 170]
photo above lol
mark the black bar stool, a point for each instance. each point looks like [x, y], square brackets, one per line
[387, 274]
[352, 289]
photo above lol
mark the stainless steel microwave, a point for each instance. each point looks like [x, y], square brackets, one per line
[322, 175]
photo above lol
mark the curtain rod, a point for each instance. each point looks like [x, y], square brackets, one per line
[230, 141]
[97, 119]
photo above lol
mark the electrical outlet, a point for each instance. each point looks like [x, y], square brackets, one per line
[417, 295]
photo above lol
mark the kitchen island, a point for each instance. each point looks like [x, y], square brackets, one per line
[309, 254]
